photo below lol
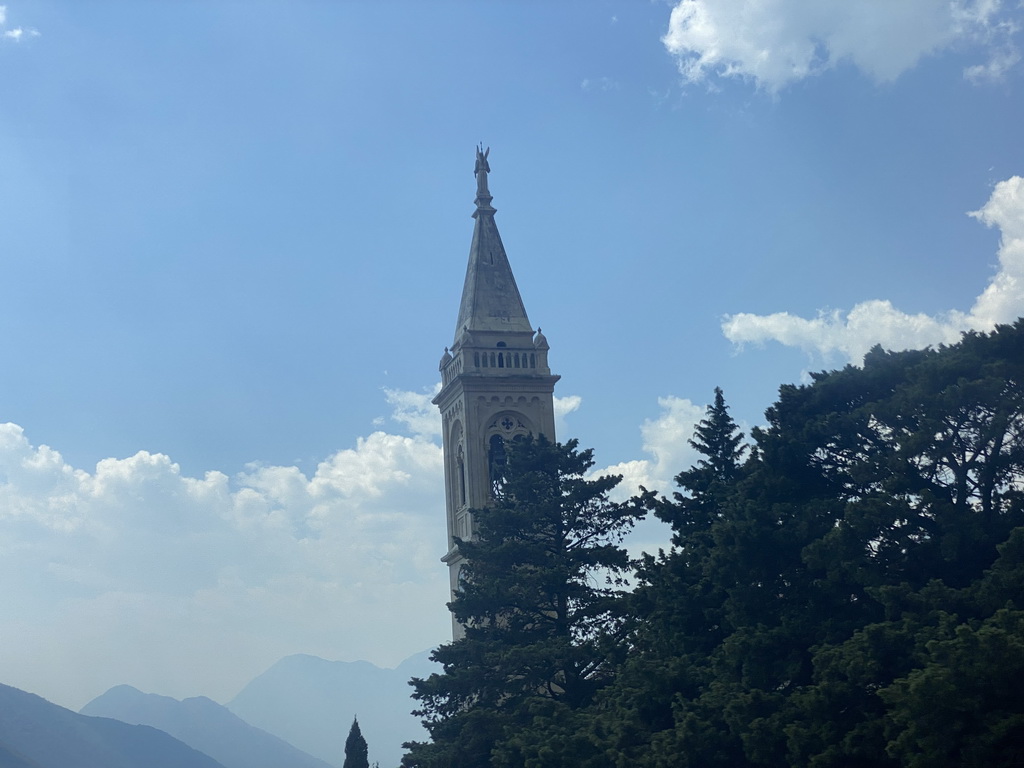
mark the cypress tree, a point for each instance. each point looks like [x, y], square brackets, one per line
[356, 754]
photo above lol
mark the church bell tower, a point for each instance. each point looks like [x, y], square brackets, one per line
[495, 382]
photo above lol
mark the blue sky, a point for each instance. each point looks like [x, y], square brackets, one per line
[234, 237]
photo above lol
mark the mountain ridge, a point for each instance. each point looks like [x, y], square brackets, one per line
[310, 702]
[36, 733]
[204, 725]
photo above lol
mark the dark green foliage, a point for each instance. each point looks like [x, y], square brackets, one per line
[821, 596]
[848, 595]
[356, 751]
[541, 604]
[718, 439]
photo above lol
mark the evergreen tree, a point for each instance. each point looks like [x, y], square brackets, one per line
[541, 603]
[720, 441]
[718, 438]
[356, 751]
[851, 596]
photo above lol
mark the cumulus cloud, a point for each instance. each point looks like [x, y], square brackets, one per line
[134, 572]
[777, 42]
[563, 407]
[851, 334]
[1002, 301]
[666, 441]
[136, 569]
[416, 411]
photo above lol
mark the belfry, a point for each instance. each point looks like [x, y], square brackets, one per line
[495, 382]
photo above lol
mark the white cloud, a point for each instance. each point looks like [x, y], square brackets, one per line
[563, 407]
[777, 42]
[1003, 299]
[853, 333]
[666, 441]
[135, 573]
[416, 411]
[15, 34]
[995, 68]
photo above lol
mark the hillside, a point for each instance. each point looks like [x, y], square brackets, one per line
[204, 725]
[11, 759]
[35, 733]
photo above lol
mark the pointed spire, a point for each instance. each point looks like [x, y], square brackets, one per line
[490, 297]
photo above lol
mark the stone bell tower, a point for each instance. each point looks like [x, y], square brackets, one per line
[496, 384]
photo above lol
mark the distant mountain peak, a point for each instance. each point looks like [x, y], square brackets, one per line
[309, 701]
[36, 733]
[205, 725]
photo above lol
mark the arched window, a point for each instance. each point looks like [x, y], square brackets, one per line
[461, 464]
[501, 359]
[496, 460]
[476, 359]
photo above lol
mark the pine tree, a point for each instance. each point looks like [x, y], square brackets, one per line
[718, 439]
[541, 603]
[356, 751]
[851, 594]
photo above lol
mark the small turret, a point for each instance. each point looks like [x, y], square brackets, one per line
[540, 341]
[445, 359]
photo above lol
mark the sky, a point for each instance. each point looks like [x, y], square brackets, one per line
[233, 237]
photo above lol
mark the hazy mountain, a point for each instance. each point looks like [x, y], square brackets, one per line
[10, 759]
[204, 725]
[37, 734]
[310, 702]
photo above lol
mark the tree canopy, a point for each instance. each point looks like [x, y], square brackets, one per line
[540, 603]
[849, 591]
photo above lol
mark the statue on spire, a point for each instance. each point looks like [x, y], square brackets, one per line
[481, 170]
